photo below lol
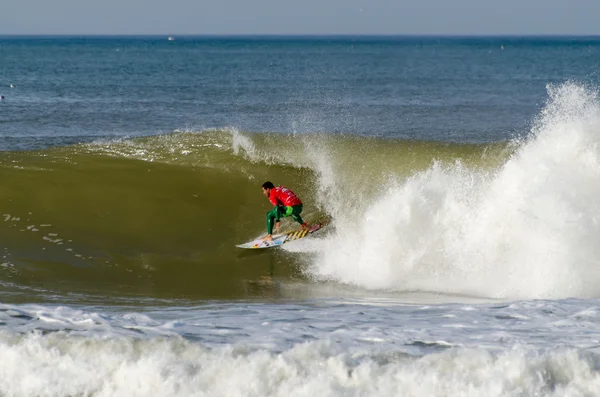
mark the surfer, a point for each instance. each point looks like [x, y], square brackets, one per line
[286, 204]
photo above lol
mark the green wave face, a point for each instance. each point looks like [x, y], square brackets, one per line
[159, 216]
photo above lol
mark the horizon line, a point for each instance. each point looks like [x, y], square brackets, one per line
[297, 35]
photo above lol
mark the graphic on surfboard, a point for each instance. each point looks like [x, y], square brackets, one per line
[283, 238]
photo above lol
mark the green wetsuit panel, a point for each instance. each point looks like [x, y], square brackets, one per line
[279, 212]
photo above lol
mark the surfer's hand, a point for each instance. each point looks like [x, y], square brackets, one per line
[277, 227]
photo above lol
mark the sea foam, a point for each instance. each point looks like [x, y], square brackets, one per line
[527, 229]
[54, 365]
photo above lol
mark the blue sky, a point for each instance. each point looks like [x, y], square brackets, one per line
[172, 17]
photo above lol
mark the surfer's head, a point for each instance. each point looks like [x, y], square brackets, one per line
[266, 188]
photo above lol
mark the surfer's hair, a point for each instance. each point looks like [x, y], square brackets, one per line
[268, 185]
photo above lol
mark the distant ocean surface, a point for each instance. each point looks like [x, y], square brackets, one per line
[461, 175]
[447, 89]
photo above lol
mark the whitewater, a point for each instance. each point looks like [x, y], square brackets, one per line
[525, 230]
[329, 348]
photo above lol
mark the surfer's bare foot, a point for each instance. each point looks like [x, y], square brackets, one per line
[268, 237]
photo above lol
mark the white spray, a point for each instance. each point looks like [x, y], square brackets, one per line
[529, 229]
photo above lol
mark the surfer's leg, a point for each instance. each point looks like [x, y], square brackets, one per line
[275, 214]
[271, 217]
[286, 211]
[295, 213]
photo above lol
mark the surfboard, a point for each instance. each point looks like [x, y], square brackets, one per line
[283, 238]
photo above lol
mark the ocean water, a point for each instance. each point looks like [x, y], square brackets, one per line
[461, 176]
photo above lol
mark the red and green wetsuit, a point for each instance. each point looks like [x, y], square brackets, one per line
[286, 204]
